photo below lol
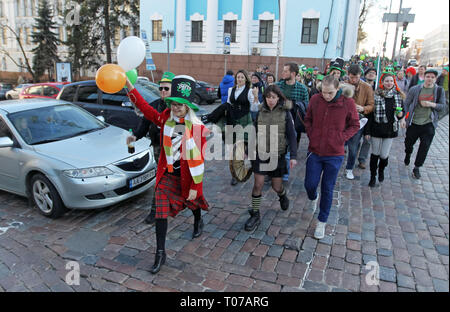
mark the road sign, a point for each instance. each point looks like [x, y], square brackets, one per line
[149, 64]
[226, 43]
[400, 18]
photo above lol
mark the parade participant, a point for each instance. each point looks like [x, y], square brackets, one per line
[443, 81]
[179, 177]
[270, 79]
[336, 69]
[227, 83]
[275, 111]
[383, 125]
[146, 126]
[364, 100]
[419, 78]
[422, 105]
[298, 94]
[402, 81]
[410, 73]
[330, 121]
[370, 76]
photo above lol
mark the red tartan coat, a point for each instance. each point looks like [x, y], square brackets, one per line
[159, 119]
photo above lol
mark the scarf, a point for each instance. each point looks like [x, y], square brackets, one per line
[192, 153]
[380, 109]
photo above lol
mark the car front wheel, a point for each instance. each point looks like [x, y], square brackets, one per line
[46, 197]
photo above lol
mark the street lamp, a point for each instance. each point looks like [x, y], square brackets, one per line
[167, 34]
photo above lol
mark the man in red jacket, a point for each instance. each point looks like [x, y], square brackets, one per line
[330, 121]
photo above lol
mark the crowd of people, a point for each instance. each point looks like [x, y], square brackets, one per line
[349, 109]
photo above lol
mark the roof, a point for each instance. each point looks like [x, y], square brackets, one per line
[14, 106]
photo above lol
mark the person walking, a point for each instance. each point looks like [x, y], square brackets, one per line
[270, 79]
[330, 121]
[179, 176]
[383, 125]
[419, 78]
[370, 76]
[443, 81]
[227, 83]
[364, 100]
[258, 84]
[146, 126]
[275, 111]
[402, 81]
[422, 105]
[298, 94]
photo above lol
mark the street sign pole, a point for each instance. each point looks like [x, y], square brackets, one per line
[226, 48]
[396, 29]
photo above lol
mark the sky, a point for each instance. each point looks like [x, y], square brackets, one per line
[429, 15]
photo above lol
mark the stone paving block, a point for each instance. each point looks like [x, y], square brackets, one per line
[388, 274]
[440, 285]
[442, 250]
[275, 251]
[405, 281]
[305, 256]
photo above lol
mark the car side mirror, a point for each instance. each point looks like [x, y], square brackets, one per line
[101, 118]
[6, 142]
[127, 104]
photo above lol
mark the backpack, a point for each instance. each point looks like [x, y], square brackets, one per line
[298, 114]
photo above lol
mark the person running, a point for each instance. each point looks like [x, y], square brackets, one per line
[146, 126]
[383, 125]
[179, 176]
[275, 111]
[422, 105]
[330, 121]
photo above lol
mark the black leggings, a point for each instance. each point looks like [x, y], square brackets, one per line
[161, 229]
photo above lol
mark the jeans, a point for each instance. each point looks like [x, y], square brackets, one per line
[364, 152]
[288, 163]
[353, 146]
[328, 168]
[426, 134]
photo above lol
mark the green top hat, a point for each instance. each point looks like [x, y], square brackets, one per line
[167, 77]
[182, 91]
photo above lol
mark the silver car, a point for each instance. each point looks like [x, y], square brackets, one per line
[63, 157]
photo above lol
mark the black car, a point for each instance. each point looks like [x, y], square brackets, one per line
[205, 92]
[116, 108]
[4, 87]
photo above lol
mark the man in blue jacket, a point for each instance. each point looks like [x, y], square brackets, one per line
[227, 82]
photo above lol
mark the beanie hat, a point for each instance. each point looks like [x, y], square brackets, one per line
[411, 70]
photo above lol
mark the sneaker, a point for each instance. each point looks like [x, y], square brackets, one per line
[312, 204]
[349, 174]
[320, 230]
[416, 173]
[284, 203]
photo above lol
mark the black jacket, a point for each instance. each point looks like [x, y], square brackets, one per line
[414, 81]
[440, 80]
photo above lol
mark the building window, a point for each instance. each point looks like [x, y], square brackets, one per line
[310, 30]
[61, 34]
[156, 30]
[117, 36]
[4, 64]
[28, 31]
[22, 35]
[197, 31]
[18, 8]
[5, 35]
[230, 28]
[265, 31]
[59, 7]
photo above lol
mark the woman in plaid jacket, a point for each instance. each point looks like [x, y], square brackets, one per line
[383, 125]
[179, 176]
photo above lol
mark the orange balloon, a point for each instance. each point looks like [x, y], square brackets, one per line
[110, 78]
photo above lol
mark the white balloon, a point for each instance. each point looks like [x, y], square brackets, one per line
[130, 53]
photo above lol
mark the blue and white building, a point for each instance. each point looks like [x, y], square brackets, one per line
[307, 29]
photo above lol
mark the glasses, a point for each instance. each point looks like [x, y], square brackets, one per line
[176, 104]
[164, 88]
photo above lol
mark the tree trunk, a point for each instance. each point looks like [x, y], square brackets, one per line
[107, 32]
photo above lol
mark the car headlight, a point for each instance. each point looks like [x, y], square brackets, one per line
[88, 172]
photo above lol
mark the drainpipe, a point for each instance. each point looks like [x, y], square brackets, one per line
[345, 27]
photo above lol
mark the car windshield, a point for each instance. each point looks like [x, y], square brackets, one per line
[6, 86]
[53, 123]
[148, 90]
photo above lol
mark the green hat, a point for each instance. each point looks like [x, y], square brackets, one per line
[182, 91]
[167, 77]
[446, 68]
[310, 70]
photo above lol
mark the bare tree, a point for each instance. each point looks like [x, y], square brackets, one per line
[3, 50]
[366, 5]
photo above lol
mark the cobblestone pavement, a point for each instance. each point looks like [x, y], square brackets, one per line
[403, 225]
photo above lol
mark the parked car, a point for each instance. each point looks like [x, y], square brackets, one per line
[47, 90]
[62, 157]
[412, 62]
[14, 93]
[205, 92]
[116, 109]
[4, 87]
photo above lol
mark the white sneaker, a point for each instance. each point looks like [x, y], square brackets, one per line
[320, 230]
[312, 204]
[349, 174]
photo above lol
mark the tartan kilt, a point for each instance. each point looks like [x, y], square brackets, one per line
[169, 201]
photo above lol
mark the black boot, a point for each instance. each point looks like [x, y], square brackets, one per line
[160, 259]
[284, 202]
[151, 217]
[198, 228]
[407, 159]
[383, 164]
[253, 221]
[373, 170]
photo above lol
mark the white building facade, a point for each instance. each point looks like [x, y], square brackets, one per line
[435, 47]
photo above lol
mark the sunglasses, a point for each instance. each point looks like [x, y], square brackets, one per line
[164, 88]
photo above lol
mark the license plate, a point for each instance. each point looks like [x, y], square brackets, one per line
[141, 179]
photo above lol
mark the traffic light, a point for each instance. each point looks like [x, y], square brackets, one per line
[405, 42]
